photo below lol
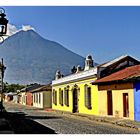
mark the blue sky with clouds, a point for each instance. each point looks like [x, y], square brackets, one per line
[104, 32]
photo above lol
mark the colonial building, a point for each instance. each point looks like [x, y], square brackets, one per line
[72, 93]
[25, 95]
[42, 97]
[119, 94]
[75, 92]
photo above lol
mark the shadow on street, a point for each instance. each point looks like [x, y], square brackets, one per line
[22, 124]
[42, 117]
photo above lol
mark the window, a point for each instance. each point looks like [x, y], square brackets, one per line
[55, 97]
[87, 90]
[36, 98]
[33, 98]
[61, 97]
[66, 96]
[39, 98]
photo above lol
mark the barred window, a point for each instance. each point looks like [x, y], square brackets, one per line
[87, 91]
[61, 97]
[54, 97]
[66, 96]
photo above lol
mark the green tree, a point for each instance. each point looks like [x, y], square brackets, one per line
[12, 87]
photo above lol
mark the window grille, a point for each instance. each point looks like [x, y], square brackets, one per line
[66, 96]
[55, 97]
[61, 97]
[87, 91]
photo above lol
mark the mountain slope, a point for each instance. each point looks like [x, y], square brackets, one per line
[30, 58]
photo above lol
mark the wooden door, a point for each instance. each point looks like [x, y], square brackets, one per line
[109, 103]
[125, 105]
[75, 101]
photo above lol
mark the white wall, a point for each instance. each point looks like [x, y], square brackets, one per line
[38, 101]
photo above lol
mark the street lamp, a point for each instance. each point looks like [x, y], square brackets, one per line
[3, 24]
[3, 31]
[2, 70]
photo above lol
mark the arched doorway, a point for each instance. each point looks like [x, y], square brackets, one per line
[75, 100]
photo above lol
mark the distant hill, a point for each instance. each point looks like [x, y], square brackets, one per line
[29, 58]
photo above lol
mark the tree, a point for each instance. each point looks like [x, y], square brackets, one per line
[12, 87]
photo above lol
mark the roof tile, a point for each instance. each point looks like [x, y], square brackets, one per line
[121, 75]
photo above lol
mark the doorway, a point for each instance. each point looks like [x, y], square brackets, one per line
[125, 105]
[75, 100]
[109, 103]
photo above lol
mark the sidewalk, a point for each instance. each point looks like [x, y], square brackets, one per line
[112, 120]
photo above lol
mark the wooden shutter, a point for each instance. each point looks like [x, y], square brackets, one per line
[60, 97]
[62, 100]
[87, 91]
[54, 97]
[89, 97]
[86, 96]
[66, 97]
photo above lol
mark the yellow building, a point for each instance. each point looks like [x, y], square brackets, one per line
[72, 93]
[75, 92]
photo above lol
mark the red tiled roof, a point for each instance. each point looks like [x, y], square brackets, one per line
[121, 75]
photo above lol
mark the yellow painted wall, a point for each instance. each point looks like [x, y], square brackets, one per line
[81, 104]
[94, 98]
[64, 107]
[102, 103]
[117, 97]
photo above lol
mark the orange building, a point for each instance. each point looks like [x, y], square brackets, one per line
[119, 93]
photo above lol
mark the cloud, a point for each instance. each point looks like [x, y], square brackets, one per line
[12, 29]
[27, 27]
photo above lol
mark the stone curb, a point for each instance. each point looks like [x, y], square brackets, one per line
[116, 122]
[120, 122]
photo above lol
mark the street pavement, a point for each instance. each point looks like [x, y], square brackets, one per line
[30, 120]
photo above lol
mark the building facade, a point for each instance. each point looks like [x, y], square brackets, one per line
[29, 98]
[25, 95]
[119, 94]
[75, 93]
[42, 97]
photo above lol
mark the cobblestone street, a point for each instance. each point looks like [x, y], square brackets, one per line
[30, 120]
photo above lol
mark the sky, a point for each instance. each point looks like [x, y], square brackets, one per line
[104, 32]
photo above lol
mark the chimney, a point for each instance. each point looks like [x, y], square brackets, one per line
[88, 62]
[78, 69]
[58, 75]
